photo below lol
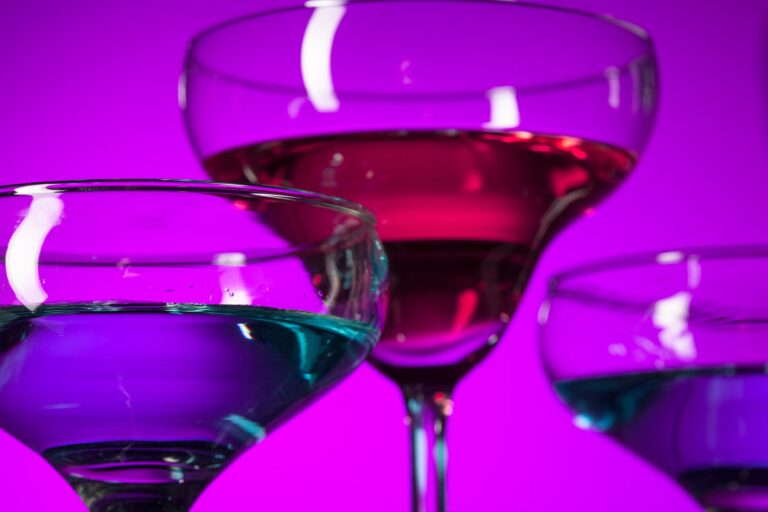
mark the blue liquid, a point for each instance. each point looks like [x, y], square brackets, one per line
[153, 400]
[706, 428]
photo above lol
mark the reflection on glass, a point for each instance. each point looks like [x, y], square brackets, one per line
[666, 353]
[316, 49]
[504, 109]
[23, 250]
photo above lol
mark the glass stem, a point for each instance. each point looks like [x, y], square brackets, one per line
[428, 411]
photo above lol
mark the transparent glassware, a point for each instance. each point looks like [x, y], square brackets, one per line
[152, 331]
[474, 130]
[666, 353]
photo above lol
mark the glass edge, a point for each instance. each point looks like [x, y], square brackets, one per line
[658, 258]
[310, 4]
[628, 27]
[366, 228]
[148, 184]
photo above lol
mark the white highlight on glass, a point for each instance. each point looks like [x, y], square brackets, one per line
[229, 259]
[543, 315]
[505, 112]
[294, 107]
[670, 315]
[324, 3]
[667, 258]
[694, 272]
[234, 292]
[420, 441]
[245, 331]
[316, 47]
[613, 75]
[334, 280]
[23, 254]
[583, 422]
[181, 92]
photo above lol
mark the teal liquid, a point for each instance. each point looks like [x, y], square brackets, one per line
[705, 428]
[153, 400]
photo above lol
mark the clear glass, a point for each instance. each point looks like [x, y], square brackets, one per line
[151, 331]
[474, 130]
[666, 353]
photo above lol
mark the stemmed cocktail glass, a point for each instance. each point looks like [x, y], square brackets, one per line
[667, 353]
[154, 330]
[474, 130]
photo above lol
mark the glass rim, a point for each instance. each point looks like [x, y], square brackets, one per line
[200, 186]
[658, 258]
[233, 190]
[627, 27]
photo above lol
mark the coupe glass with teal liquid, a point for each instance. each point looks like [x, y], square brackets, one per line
[152, 331]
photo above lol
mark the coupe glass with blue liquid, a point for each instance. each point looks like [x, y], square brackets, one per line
[667, 353]
[151, 331]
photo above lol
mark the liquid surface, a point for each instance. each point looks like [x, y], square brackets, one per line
[151, 401]
[462, 216]
[705, 428]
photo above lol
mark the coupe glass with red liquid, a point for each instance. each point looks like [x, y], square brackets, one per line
[474, 130]
[666, 353]
[152, 331]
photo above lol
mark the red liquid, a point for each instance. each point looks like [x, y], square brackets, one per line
[462, 215]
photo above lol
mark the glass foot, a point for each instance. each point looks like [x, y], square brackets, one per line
[139, 476]
[729, 489]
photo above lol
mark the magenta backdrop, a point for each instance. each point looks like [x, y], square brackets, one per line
[88, 89]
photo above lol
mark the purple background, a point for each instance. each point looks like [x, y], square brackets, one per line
[88, 89]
